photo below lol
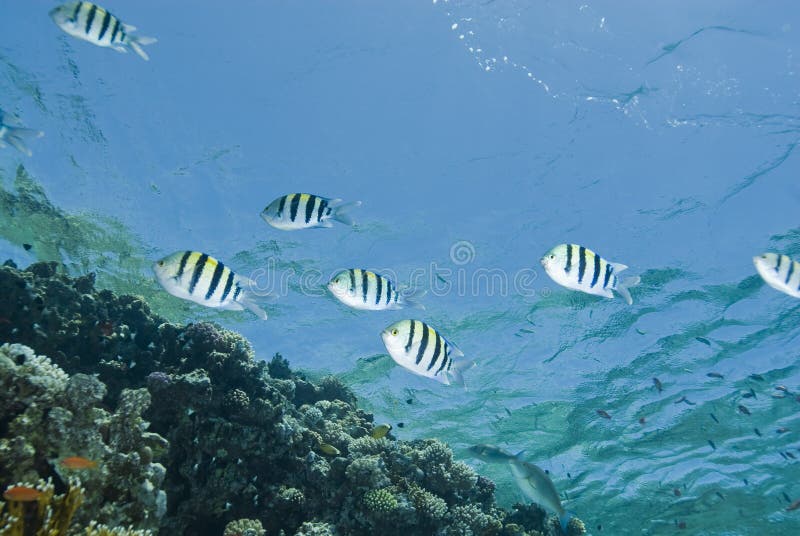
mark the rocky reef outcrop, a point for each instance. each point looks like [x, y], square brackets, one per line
[193, 435]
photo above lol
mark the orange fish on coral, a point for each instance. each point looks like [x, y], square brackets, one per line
[78, 462]
[21, 494]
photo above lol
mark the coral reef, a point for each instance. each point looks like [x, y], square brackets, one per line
[248, 445]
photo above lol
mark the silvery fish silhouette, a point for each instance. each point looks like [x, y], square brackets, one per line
[417, 347]
[197, 277]
[13, 134]
[305, 211]
[578, 268]
[780, 272]
[362, 289]
[96, 25]
[493, 454]
[536, 485]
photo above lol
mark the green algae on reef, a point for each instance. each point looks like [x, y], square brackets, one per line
[236, 438]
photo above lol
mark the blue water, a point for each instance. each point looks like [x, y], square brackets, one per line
[478, 135]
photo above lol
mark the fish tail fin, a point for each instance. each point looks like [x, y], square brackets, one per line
[412, 298]
[457, 372]
[340, 213]
[136, 43]
[251, 297]
[564, 520]
[15, 136]
[248, 302]
[624, 285]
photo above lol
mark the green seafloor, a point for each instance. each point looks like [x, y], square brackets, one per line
[192, 433]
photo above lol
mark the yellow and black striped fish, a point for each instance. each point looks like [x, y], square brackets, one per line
[94, 24]
[362, 289]
[578, 268]
[416, 346]
[197, 277]
[304, 211]
[780, 272]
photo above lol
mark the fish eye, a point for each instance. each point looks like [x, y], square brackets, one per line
[552, 256]
[161, 263]
[394, 332]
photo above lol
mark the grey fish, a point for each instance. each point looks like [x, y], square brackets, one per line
[13, 134]
[537, 487]
[492, 454]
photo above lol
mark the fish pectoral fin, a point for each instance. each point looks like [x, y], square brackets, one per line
[120, 49]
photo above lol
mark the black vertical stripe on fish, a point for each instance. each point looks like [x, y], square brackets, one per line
[215, 280]
[281, 206]
[115, 30]
[436, 351]
[322, 204]
[312, 200]
[388, 291]
[104, 27]
[237, 292]
[352, 280]
[293, 206]
[778, 266]
[568, 267]
[198, 271]
[596, 270]
[789, 273]
[182, 265]
[410, 336]
[379, 281]
[228, 286]
[423, 344]
[445, 359]
[90, 18]
[581, 263]
[609, 269]
[364, 285]
[77, 12]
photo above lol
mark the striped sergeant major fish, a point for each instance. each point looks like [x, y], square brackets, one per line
[578, 268]
[304, 211]
[94, 24]
[416, 346]
[197, 277]
[780, 272]
[13, 134]
[362, 289]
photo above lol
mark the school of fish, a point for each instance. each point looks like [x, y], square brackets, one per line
[412, 344]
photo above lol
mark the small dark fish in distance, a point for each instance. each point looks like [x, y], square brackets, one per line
[786, 497]
[744, 410]
[642, 420]
[658, 384]
[782, 388]
[794, 506]
[715, 375]
[711, 443]
[792, 456]
[703, 340]
[757, 377]
[757, 431]
[782, 430]
[604, 414]
[676, 492]
[686, 401]
[714, 417]
[720, 495]
[749, 394]
[27, 247]
[783, 455]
